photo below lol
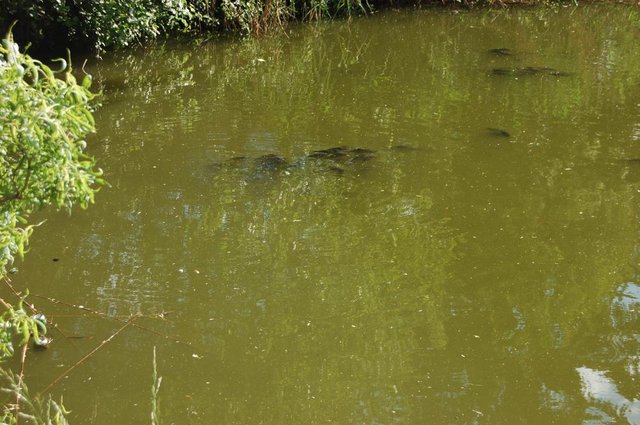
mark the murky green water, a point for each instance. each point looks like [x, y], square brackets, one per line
[455, 275]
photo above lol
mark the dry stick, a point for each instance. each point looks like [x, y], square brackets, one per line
[8, 283]
[106, 316]
[4, 304]
[18, 294]
[97, 313]
[89, 354]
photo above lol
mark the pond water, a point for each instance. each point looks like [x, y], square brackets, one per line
[422, 216]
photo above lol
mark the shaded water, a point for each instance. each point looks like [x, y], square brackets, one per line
[479, 265]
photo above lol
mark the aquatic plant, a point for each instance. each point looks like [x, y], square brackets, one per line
[155, 389]
[33, 409]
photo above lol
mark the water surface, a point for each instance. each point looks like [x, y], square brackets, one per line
[469, 254]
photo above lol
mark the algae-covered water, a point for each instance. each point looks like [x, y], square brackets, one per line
[418, 217]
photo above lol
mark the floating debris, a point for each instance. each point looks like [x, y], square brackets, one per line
[41, 341]
[39, 338]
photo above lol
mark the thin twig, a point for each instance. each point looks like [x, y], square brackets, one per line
[106, 316]
[16, 293]
[118, 319]
[4, 303]
[89, 354]
[34, 310]
[99, 313]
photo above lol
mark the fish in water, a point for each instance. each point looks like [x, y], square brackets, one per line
[336, 170]
[361, 151]
[239, 161]
[529, 70]
[270, 162]
[361, 155]
[343, 153]
[334, 160]
[560, 73]
[332, 153]
[498, 132]
[403, 148]
[502, 71]
[500, 51]
[517, 72]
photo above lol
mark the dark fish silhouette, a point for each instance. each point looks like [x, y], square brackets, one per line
[403, 148]
[529, 71]
[501, 71]
[270, 162]
[335, 160]
[361, 151]
[238, 160]
[336, 170]
[500, 51]
[560, 73]
[336, 152]
[498, 132]
[361, 155]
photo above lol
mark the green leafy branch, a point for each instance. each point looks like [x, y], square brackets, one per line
[45, 115]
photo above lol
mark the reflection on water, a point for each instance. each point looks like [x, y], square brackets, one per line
[597, 386]
[360, 223]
